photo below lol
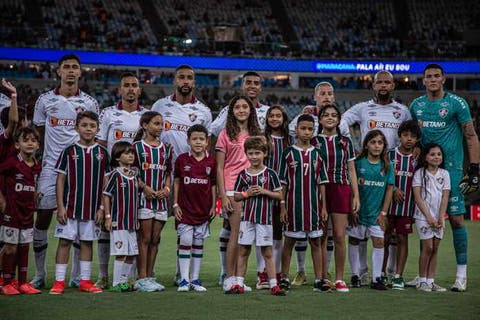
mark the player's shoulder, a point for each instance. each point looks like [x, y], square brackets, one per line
[102, 149]
[88, 98]
[47, 95]
[4, 100]
[419, 101]
[162, 102]
[399, 105]
[455, 99]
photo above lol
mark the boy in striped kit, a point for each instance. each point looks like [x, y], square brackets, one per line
[120, 198]
[303, 174]
[400, 214]
[81, 168]
[258, 187]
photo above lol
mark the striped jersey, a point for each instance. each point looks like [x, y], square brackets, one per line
[122, 188]
[372, 185]
[276, 151]
[258, 209]
[117, 124]
[404, 166]
[336, 151]
[221, 119]
[84, 169]
[58, 114]
[154, 164]
[302, 171]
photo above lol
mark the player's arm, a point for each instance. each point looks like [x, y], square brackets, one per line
[354, 185]
[61, 212]
[176, 208]
[443, 208]
[108, 216]
[220, 159]
[214, 203]
[219, 123]
[323, 193]
[275, 194]
[417, 195]
[387, 200]
[13, 111]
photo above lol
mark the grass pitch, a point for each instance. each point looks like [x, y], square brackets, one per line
[300, 302]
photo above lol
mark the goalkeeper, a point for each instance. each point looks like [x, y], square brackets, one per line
[445, 119]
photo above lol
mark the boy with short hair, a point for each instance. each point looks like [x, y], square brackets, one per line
[194, 196]
[81, 168]
[258, 187]
[303, 176]
[400, 214]
[20, 172]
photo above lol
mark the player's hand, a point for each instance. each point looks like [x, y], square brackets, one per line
[324, 214]
[283, 215]
[177, 211]
[382, 221]
[226, 204]
[398, 196]
[212, 213]
[355, 205]
[431, 221]
[3, 203]
[99, 216]
[470, 182]
[253, 191]
[9, 86]
[163, 193]
[108, 224]
[441, 222]
[149, 193]
[62, 215]
[308, 109]
[353, 219]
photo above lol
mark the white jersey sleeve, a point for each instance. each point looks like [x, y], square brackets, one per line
[5, 102]
[219, 123]
[104, 124]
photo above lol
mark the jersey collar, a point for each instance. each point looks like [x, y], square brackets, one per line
[57, 91]
[174, 98]
[120, 106]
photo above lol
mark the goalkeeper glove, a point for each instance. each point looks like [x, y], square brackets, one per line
[470, 182]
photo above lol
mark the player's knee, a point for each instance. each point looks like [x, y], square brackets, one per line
[155, 240]
[9, 249]
[339, 239]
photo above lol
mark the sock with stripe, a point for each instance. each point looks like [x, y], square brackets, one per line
[185, 254]
[40, 245]
[197, 257]
[353, 259]
[330, 246]
[103, 254]
[75, 273]
[377, 262]
[22, 262]
[85, 270]
[224, 236]
[277, 254]
[301, 252]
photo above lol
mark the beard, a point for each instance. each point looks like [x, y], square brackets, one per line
[184, 92]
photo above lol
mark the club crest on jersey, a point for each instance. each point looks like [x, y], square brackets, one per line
[440, 180]
[443, 112]
[99, 156]
[192, 117]
[261, 120]
[261, 180]
[9, 232]
[208, 170]
[118, 244]
[396, 114]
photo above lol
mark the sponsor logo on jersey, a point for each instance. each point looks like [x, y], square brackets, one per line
[261, 120]
[431, 124]
[175, 126]
[186, 168]
[123, 185]
[402, 173]
[372, 124]
[370, 183]
[118, 122]
[168, 114]
[372, 113]
[293, 164]
[420, 104]
[18, 176]
[443, 112]
[153, 166]
[188, 180]
[119, 134]
[445, 104]
[57, 122]
[20, 187]
[192, 117]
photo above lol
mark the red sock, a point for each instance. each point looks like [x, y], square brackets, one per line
[22, 262]
[8, 267]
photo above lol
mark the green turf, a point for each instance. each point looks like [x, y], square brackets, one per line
[300, 303]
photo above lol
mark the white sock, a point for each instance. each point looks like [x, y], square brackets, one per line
[301, 252]
[103, 254]
[224, 236]
[40, 245]
[353, 259]
[117, 272]
[461, 271]
[429, 281]
[133, 270]
[126, 269]
[75, 273]
[277, 254]
[60, 271]
[377, 261]
[85, 270]
[272, 282]
[260, 260]
[197, 256]
[422, 279]
[240, 281]
[330, 247]
[392, 259]
[362, 256]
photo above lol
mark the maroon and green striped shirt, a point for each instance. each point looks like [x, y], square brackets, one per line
[84, 169]
[258, 209]
[155, 165]
[279, 144]
[302, 171]
[404, 165]
[122, 188]
[336, 151]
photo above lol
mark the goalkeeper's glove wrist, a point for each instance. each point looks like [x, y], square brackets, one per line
[473, 168]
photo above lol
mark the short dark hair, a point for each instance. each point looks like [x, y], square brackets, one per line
[117, 150]
[70, 56]
[24, 132]
[410, 126]
[127, 75]
[306, 117]
[251, 74]
[87, 114]
[197, 128]
[183, 66]
[433, 66]
[256, 143]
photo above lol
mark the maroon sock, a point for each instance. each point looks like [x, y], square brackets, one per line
[22, 262]
[8, 268]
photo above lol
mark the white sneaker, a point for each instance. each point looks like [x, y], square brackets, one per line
[197, 286]
[423, 286]
[183, 286]
[437, 288]
[460, 285]
[157, 285]
[144, 285]
[413, 283]
[365, 279]
[247, 288]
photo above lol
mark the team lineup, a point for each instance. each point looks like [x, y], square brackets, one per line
[115, 177]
